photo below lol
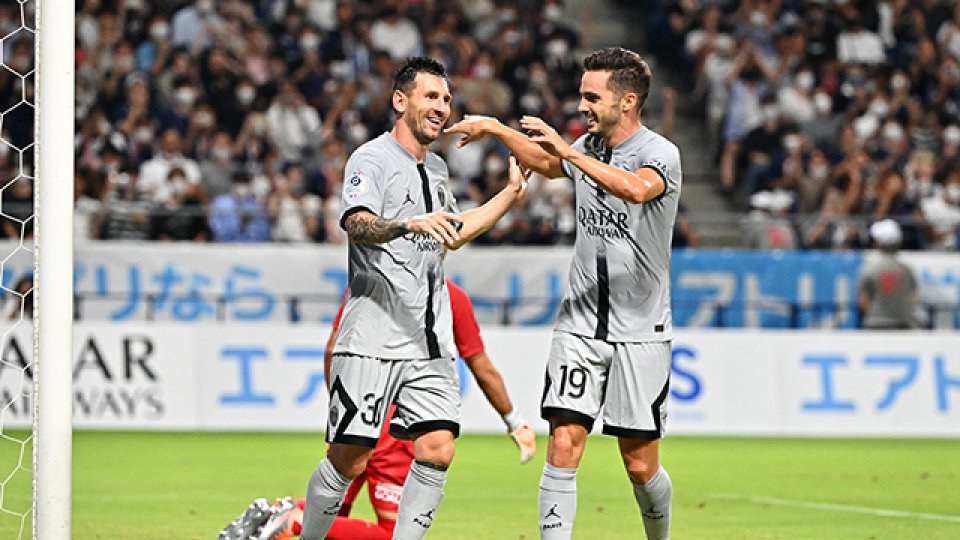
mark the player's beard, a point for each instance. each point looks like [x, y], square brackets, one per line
[421, 129]
[605, 122]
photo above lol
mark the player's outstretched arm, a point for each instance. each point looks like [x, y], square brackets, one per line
[632, 186]
[478, 220]
[528, 153]
[491, 384]
[365, 227]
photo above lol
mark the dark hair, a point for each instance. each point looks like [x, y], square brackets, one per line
[629, 72]
[406, 74]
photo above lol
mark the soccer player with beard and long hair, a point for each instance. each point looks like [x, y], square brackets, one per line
[611, 348]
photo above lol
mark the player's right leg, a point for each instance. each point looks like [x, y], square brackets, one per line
[360, 389]
[573, 390]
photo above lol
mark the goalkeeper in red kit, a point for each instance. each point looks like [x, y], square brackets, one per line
[388, 467]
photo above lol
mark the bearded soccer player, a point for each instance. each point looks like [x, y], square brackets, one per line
[395, 344]
[387, 469]
[611, 346]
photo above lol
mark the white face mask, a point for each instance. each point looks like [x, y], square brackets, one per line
[184, 96]
[220, 153]
[143, 135]
[552, 12]
[770, 113]
[792, 142]
[805, 80]
[242, 190]
[952, 193]
[160, 31]
[494, 165]
[878, 108]
[309, 42]
[483, 71]
[823, 103]
[245, 95]
[899, 82]
[557, 48]
[951, 134]
[819, 172]
[893, 133]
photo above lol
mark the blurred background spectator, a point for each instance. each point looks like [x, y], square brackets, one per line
[850, 110]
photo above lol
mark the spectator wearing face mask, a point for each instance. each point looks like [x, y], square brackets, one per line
[796, 100]
[154, 172]
[481, 92]
[824, 127]
[395, 34]
[295, 213]
[217, 168]
[180, 215]
[941, 211]
[757, 151]
[153, 53]
[292, 124]
[194, 25]
[949, 150]
[237, 216]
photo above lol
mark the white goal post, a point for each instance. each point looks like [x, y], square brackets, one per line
[53, 269]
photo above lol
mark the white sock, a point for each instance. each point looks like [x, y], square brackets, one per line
[422, 493]
[558, 502]
[325, 493]
[654, 499]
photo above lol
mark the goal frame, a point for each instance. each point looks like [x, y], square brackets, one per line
[53, 269]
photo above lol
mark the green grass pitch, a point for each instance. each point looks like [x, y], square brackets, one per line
[187, 485]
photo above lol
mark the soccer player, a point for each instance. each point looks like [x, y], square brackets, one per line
[395, 343]
[611, 346]
[388, 466]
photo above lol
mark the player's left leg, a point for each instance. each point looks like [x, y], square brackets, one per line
[428, 411]
[635, 411]
[651, 485]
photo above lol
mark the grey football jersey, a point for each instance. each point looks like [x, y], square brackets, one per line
[892, 288]
[398, 306]
[619, 285]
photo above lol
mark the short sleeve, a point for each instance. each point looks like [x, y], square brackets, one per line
[362, 186]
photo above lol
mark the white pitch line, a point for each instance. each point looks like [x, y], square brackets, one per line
[884, 512]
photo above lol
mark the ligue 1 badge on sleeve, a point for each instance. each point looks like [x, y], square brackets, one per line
[356, 185]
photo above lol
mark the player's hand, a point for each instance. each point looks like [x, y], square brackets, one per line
[526, 440]
[444, 227]
[519, 177]
[541, 133]
[473, 126]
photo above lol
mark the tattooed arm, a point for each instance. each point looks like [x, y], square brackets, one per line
[365, 227]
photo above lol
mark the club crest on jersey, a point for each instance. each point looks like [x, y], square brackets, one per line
[356, 185]
[441, 197]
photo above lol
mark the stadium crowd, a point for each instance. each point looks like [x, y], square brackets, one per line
[231, 120]
[826, 116]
